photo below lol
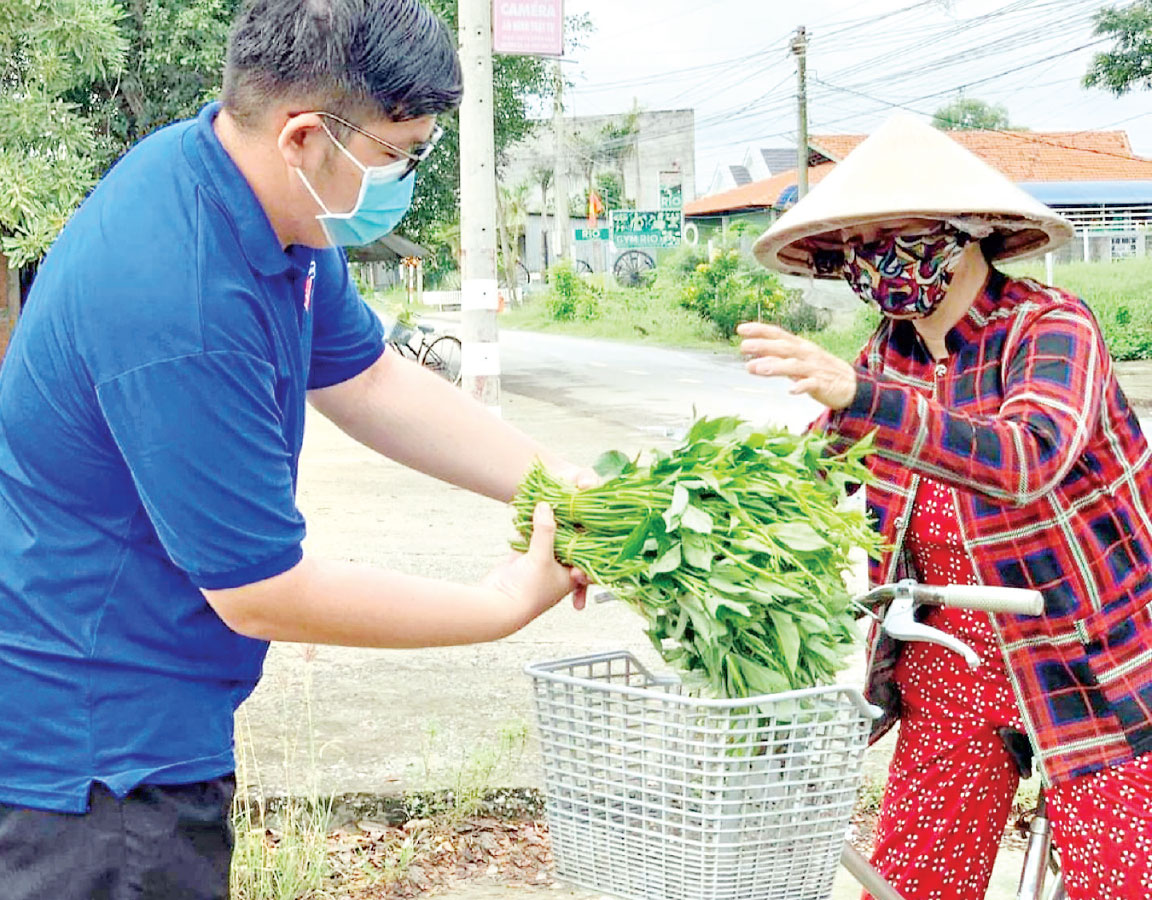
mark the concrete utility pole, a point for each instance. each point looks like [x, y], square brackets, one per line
[480, 353]
[563, 242]
[800, 48]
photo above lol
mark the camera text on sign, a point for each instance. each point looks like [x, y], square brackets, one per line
[528, 27]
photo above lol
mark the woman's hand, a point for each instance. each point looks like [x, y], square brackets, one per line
[814, 371]
[583, 477]
[535, 580]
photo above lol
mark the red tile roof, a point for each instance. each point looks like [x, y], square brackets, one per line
[757, 195]
[1021, 155]
[1033, 155]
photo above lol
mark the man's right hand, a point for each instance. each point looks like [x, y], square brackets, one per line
[535, 579]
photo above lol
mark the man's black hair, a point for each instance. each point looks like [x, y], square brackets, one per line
[354, 58]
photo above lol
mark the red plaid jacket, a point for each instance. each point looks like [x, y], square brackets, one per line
[1051, 480]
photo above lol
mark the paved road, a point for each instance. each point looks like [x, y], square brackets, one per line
[652, 387]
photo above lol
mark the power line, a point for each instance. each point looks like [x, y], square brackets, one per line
[672, 74]
[907, 104]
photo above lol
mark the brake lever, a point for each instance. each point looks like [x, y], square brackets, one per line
[900, 622]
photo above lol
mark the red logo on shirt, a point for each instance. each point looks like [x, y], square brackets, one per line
[308, 282]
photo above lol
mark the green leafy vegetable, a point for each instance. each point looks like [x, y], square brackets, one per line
[732, 547]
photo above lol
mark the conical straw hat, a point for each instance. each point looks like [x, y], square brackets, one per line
[909, 170]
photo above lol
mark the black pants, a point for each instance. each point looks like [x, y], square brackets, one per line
[158, 843]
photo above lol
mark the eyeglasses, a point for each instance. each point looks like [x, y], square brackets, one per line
[414, 156]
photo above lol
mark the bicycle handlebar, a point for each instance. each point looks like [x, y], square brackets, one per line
[1018, 601]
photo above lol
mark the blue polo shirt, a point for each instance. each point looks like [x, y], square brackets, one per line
[151, 418]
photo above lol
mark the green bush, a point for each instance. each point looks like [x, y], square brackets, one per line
[1128, 334]
[799, 317]
[731, 289]
[1119, 294]
[570, 297]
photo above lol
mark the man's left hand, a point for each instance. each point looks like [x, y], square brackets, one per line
[813, 370]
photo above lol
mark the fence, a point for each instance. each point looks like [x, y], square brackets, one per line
[1107, 233]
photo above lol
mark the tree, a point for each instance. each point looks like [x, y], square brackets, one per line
[1129, 63]
[512, 216]
[50, 152]
[542, 175]
[176, 58]
[175, 63]
[970, 114]
[620, 138]
[601, 155]
[518, 84]
[610, 187]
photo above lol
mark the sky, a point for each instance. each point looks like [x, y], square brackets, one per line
[729, 60]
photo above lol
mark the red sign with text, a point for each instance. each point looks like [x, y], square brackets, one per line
[528, 27]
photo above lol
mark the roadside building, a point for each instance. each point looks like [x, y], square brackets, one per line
[758, 163]
[634, 154]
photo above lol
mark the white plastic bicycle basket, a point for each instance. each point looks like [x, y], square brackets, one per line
[656, 795]
[398, 332]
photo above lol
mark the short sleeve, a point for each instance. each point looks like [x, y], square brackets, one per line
[202, 439]
[347, 336]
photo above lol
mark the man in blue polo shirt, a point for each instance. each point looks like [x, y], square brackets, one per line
[151, 418]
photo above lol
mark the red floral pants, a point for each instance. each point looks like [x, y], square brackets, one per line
[951, 782]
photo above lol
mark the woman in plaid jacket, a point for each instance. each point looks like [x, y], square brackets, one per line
[1006, 454]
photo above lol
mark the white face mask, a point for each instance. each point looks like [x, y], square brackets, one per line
[385, 196]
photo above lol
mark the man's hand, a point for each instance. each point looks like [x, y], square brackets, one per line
[535, 579]
[814, 371]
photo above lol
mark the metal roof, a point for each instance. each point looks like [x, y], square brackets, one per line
[1080, 193]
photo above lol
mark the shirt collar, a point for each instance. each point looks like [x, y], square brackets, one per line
[258, 240]
[968, 329]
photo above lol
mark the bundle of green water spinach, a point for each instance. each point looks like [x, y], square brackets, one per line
[733, 547]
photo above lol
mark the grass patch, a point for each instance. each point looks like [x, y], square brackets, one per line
[846, 337]
[281, 855]
[1119, 293]
[623, 315]
[286, 848]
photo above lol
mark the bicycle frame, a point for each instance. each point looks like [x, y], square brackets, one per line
[900, 622]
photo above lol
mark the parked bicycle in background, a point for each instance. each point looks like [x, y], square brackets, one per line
[420, 342]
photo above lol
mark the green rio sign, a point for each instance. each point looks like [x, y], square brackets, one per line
[632, 228]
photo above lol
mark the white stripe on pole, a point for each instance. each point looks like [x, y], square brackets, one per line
[480, 358]
[479, 293]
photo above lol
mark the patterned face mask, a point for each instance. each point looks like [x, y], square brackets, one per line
[906, 276]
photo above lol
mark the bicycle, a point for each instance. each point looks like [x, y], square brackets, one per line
[441, 354]
[654, 794]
